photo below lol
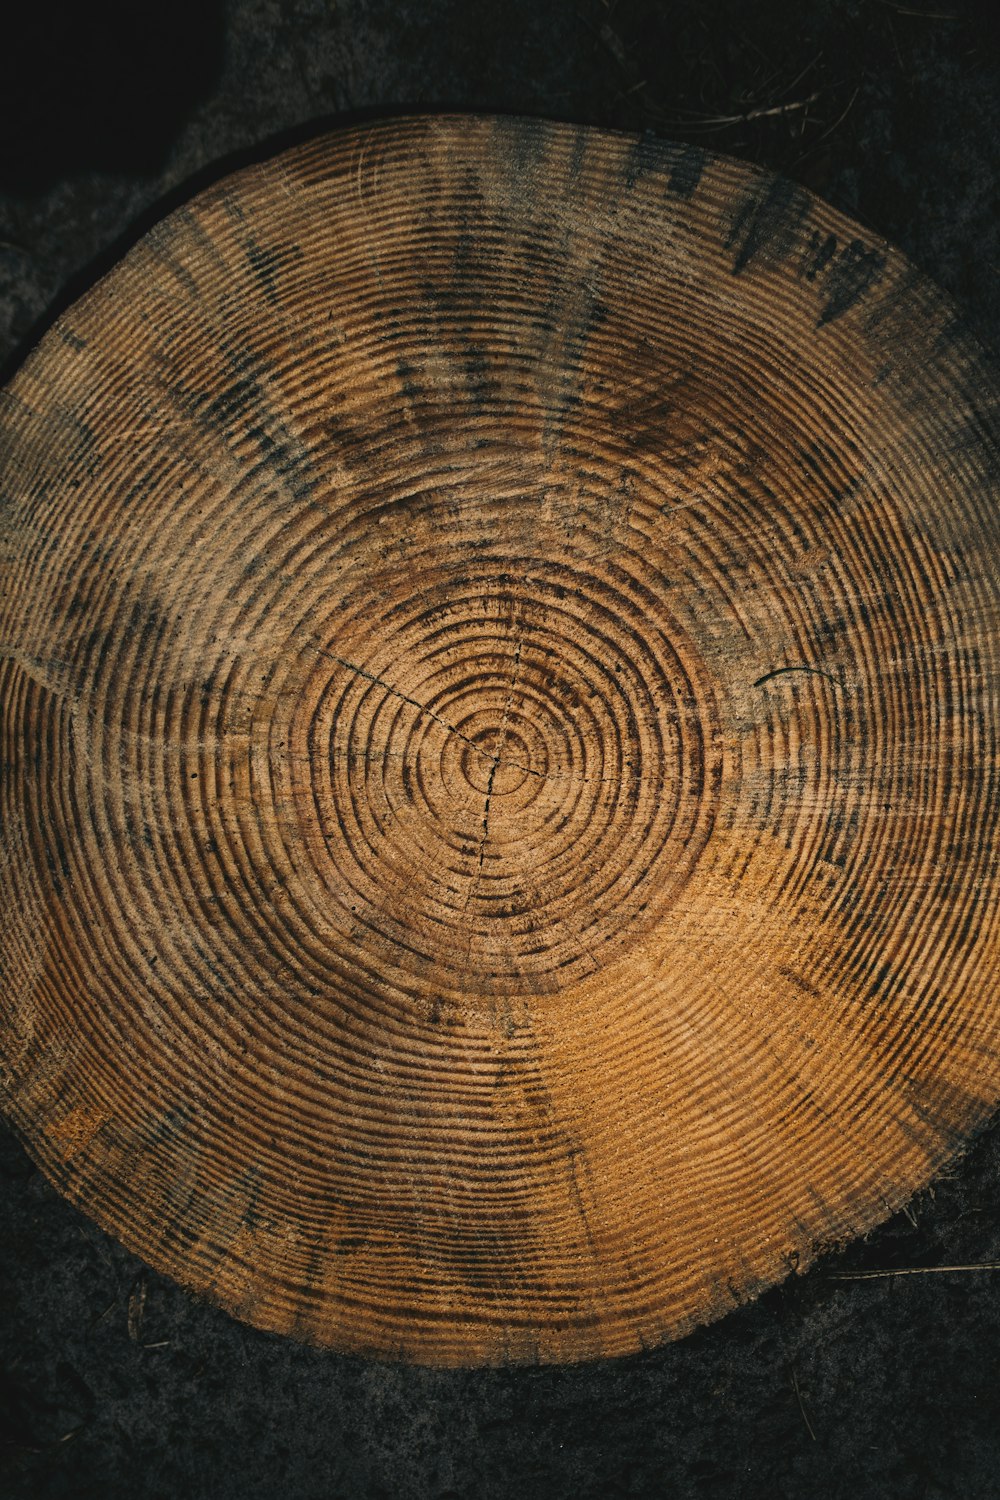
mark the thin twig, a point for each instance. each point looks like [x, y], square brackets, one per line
[779, 109]
[807, 69]
[614, 44]
[841, 118]
[802, 1405]
[698, 121]
[982, 1265]
[921, 15]
[136, 1306]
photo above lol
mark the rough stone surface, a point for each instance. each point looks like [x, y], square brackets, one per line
[113, 1382]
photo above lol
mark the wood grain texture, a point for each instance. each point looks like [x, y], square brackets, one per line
[499, 671]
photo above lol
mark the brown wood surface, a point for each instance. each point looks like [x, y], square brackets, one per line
[499, 670]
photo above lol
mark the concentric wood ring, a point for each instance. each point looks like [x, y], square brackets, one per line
[499, 670]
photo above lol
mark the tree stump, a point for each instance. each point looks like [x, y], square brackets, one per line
[499, 669]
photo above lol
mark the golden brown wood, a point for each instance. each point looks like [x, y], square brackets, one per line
[499, 680]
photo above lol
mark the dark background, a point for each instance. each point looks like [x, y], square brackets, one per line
[114, 1383]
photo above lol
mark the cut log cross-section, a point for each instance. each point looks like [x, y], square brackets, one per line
[499, 677]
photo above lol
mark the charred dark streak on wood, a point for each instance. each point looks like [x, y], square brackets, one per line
[855, 272]
[766, 223]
